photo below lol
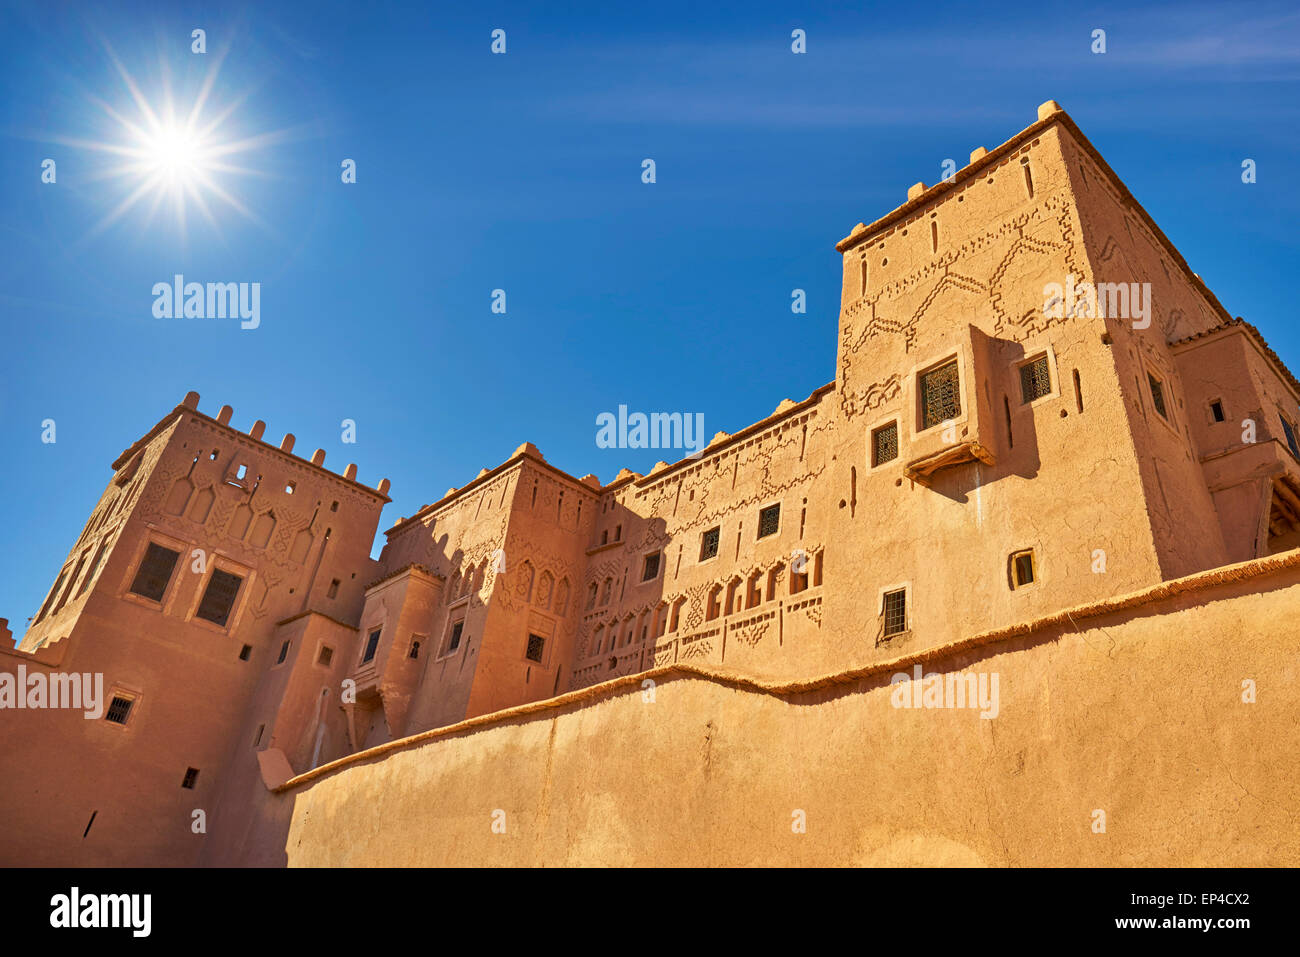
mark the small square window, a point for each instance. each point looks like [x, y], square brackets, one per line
[895, 612]
[1216, 411]
[284, 651]
[290, 488]
[769, 520]
[326, 655]
[191, 776]
[536, 644]
[155, 572]
[884, 444]
[940, 395]
[709, 543]
[1023, 571]
[119, 709]
[334, 506]
[456, 630]
[1157, 395]
[372, 645]
[1035, 379]
[244, 652]
[651, 568]
[219, 597]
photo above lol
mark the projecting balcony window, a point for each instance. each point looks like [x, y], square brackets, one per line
[940, 395]
[769, 520]
[894, 610]
[709, 543]
[1157, 395]
[219, 597]
[372, 645]
[1035, 379]
[884, 444]
[155, 572]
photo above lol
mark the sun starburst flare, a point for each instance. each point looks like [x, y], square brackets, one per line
[168, 158]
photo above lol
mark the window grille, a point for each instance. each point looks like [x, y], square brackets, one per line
[940, 397]
[1035, 379]
[895, 612]
[884, 444]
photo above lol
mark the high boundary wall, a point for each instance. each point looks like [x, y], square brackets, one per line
[1132, 707]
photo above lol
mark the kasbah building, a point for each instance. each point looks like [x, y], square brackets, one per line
[697, 666]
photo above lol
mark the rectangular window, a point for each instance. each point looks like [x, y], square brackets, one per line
[456, 629]
[219, 597]
[651, 569]
[326, 656]
[1289, 431]
[769, 520]
[372, 645]
[284, 651]
[1022, 569]
[884, 444]
[244, 652]
[1216, 411]
[536, 643]
[1035, 379]
[895, 612]
[940, 395]
[1157, 395]
[155, 572]
[119, 709]
[191, 776]
[709, 543]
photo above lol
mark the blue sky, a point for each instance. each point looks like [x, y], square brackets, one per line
[523, 172]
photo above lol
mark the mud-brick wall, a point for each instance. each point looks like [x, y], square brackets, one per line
[1138, 714]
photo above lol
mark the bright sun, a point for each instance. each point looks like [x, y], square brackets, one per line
[181, 158]
[176, 153]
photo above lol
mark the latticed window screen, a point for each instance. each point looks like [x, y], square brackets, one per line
[1289, 431]
[1035, 379]
[709, 543]
[155, 572]
[940, 396]
[884, 444]
[118, 710]
[1157, 395]
[895, 612]
[651, 567]
[535, 645]
[769, 520]
[219, 597]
